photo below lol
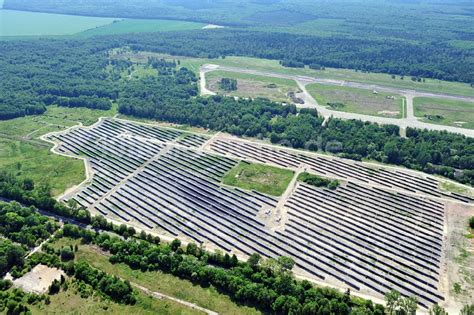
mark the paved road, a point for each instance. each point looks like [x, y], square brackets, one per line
[303, 81]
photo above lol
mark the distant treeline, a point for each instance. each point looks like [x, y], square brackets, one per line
[428, 60]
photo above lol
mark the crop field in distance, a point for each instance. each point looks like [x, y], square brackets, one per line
[445, 112]
[140, 26]
[170, 182]
[22, 23]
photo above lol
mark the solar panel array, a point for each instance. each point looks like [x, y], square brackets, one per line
[364, 235]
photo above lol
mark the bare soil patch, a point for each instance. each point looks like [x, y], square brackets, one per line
[457, 280]
[38, 279]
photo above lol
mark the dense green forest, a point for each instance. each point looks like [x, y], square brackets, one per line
[34, 74]
[430, 60]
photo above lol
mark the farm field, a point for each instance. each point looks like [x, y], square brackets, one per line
[253, 86]
[430, 85]
[23, 154]
[140, 26]
[445, 112]
[22, 23]
[355, 100]
[169, 182]
[265, 179]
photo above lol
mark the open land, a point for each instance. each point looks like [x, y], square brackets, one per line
[141, 26]
[170, 182]
[263, 178]
[21, 23]
[445, 112]
[23, 154]
[253, 86]
[357, 100]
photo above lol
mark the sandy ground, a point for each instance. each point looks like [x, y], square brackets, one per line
[38, 280]
[458, 265]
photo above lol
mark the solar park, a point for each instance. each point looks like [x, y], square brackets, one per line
[381, 229]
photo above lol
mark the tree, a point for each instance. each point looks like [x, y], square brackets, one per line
[254, 259]
[286, 263]
[175, 244]
[437, 310]
[54, 287]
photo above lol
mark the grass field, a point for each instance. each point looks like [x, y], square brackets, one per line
[430, 85]
[253, 86]
[70, 302]
[140, 26]
[449, 112]
[22, 153]
[21, 23]
[263, 178]
[164, 283]
[358, 100]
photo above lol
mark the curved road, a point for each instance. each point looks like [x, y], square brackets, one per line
[309, 101]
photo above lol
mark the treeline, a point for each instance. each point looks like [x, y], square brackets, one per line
[24, 225]
[170, 98]
[27, 193]
[265, 284]
[92, 102]
[427, 60]
[11, 255]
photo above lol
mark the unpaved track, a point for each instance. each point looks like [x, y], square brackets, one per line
[182, 302]
[303, 81]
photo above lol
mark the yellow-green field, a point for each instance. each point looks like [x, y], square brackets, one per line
[262, 178]
[249, 85]
[445, 112]
[24, 154]
[359, 101]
